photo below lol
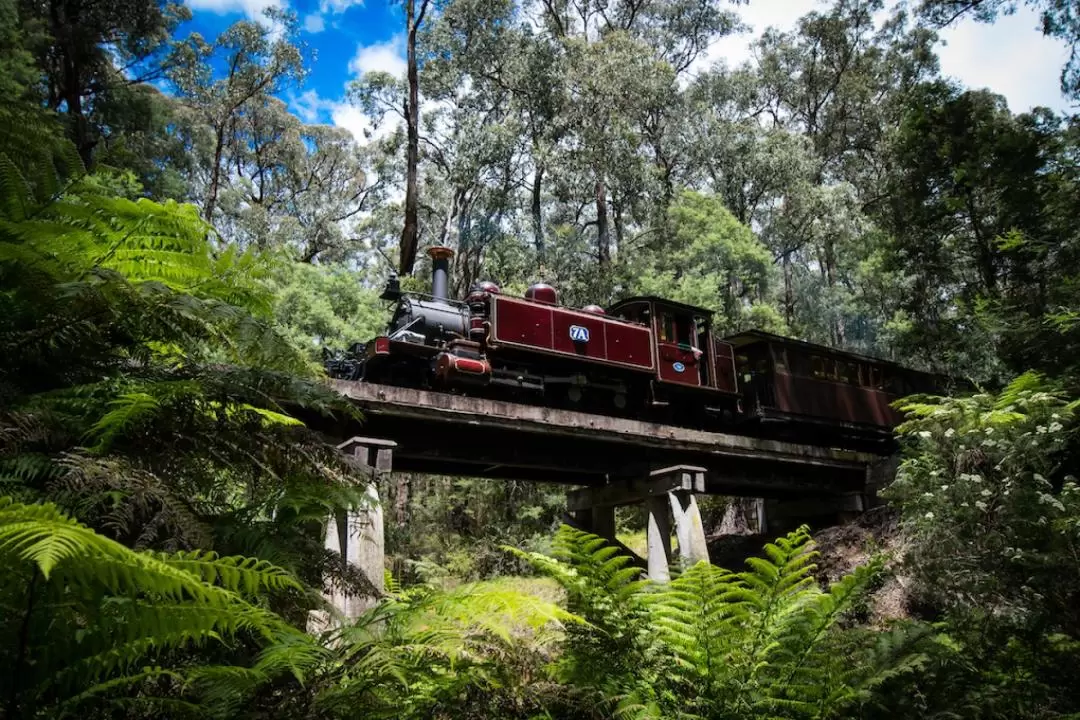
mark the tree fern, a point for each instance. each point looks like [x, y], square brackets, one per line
[145, 391]
[92, 611]
[424, 646]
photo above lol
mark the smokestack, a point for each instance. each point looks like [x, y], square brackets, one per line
[440, 270]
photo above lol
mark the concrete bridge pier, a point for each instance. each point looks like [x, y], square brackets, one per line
[666, 495]
[358, 535]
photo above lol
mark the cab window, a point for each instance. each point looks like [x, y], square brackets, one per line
[676, 329]
[667, 328]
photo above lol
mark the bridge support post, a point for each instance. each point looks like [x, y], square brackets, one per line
[689, 530]
[358, 535]
[602, 521]
[658, 537]
[668, 493]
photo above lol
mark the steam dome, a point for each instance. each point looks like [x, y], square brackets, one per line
[542, 293]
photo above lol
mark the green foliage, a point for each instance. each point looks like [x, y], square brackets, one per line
[766, 642]
[145, 392]
[451, 529]
[710, 260]
[991, 514]
[325, 306]
[427, 653]
[989, 504]
[93, 624]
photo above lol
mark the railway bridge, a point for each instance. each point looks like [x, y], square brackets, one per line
[604, 461]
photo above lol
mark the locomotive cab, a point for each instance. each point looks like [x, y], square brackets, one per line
[686, 353]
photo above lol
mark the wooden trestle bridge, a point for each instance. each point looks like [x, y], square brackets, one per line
[613, 461]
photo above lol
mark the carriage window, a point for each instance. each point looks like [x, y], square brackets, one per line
[684, 330]
[817, 366]
[742, 366]
[847, 371]
[780, 359]
[676, 329]
[875, 377]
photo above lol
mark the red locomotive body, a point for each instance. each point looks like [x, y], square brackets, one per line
[568, 333]
[652, 358]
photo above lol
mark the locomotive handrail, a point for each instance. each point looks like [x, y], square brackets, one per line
[425, 296]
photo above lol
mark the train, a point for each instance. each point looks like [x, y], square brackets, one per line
[645, 357]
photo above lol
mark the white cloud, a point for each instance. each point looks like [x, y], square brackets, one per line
[309, 106]
[349, 117]
[1010, 56]
[388, 57]
[314, 23]
[252, 8]
[339, 6]
[360, 125]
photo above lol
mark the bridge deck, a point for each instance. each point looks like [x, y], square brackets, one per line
[452, 434]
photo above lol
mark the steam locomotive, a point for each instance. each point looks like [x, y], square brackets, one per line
[644, 357]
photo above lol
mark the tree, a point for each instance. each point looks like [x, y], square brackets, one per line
[76, 51]
[709, 260]
[122, 325]
[840, 84]
[989, 509]
[258, 61]
[968, 176]
[410, 232]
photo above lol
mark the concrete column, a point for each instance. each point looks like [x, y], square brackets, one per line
[689, 529]
[358, 535]
[366, 549]
[658, 535]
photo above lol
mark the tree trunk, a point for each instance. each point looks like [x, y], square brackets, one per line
[616, 207]
[410, 232]
[603, 240]
[401, 498]
[70, 92]
[448, 223]
[215, 176]
[537, 215]
[789, 291]
[830, 279]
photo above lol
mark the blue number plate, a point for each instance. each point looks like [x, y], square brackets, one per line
[579, 334]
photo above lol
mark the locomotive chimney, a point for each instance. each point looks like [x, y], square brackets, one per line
[440, 270]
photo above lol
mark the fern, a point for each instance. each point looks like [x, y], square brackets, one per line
[424, 646]
[94, 610]
[762, 643]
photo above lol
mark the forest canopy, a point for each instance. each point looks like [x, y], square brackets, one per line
[178, 247]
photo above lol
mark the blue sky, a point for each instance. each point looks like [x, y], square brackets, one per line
[350, 37]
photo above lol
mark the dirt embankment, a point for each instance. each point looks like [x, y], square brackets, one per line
[841, 548]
